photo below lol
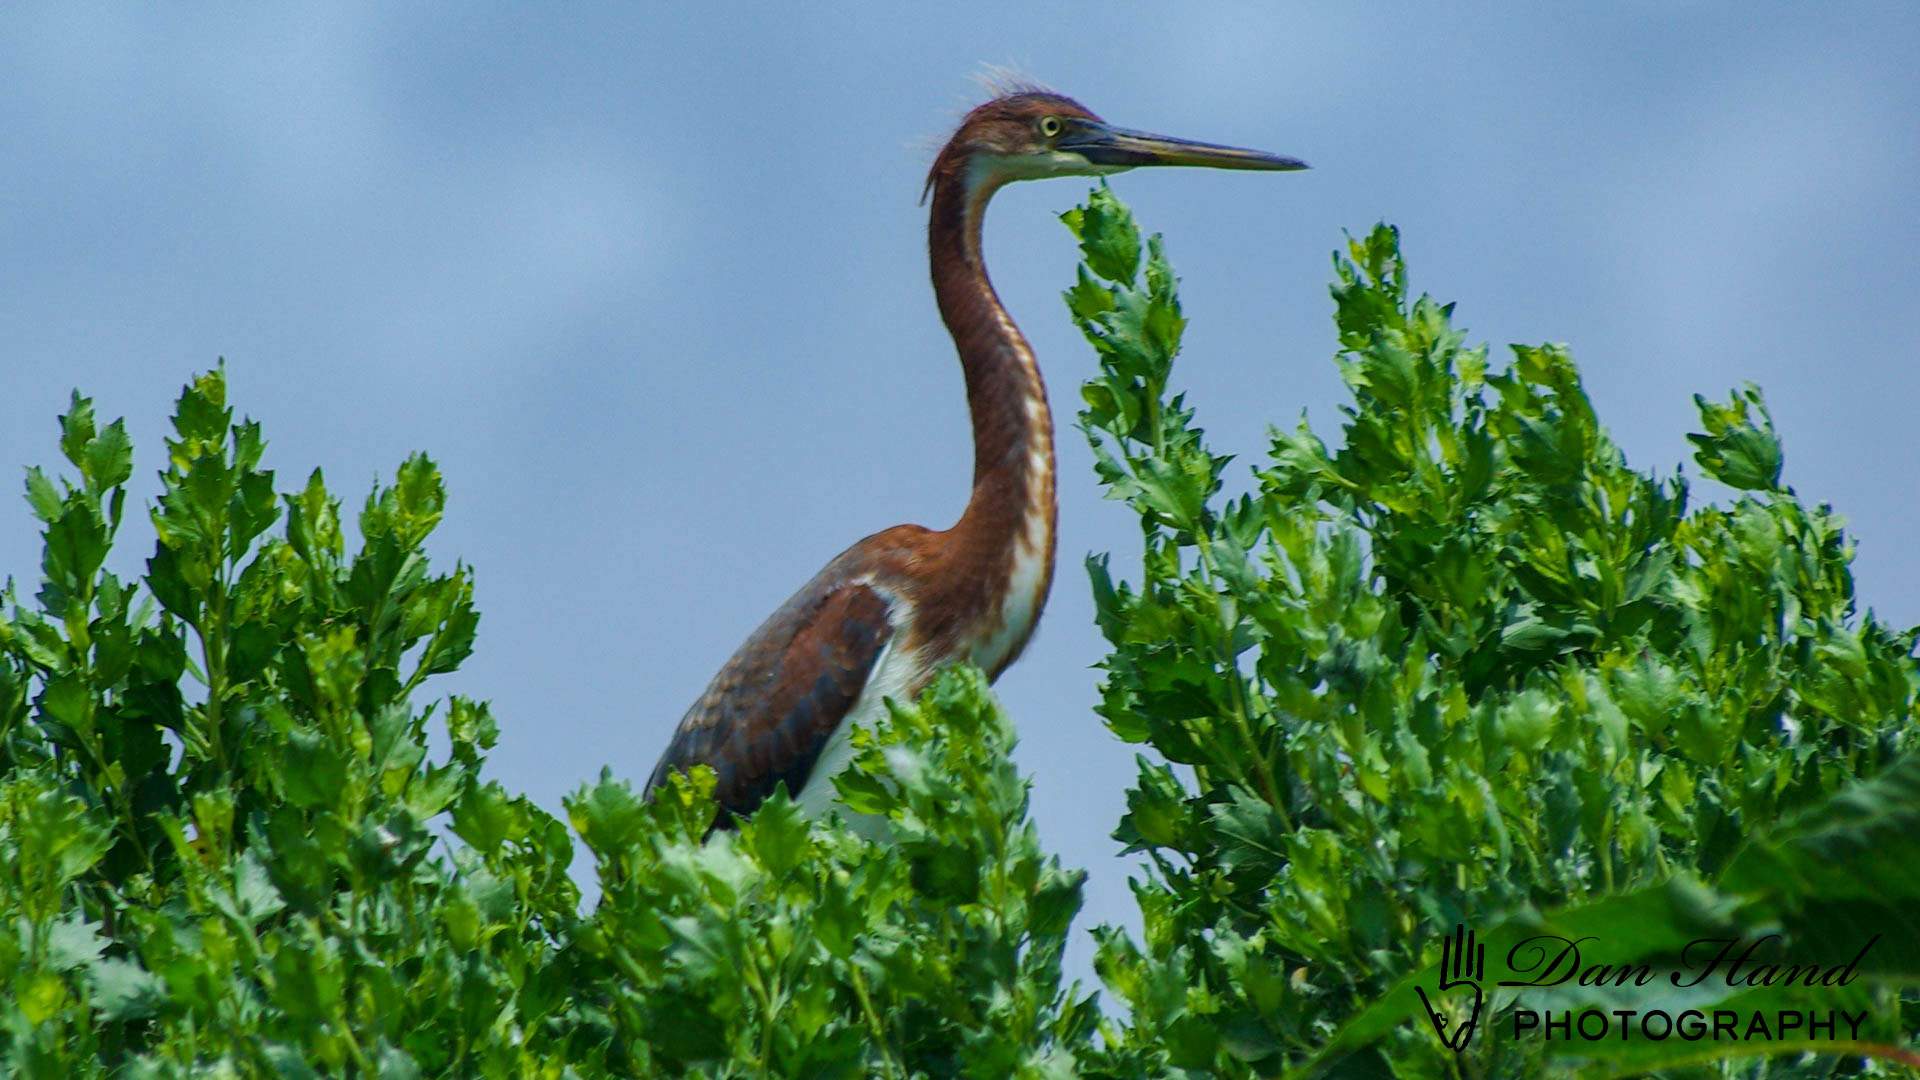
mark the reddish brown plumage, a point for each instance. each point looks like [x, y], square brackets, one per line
[932, 597]
[766, 714]
[1003, 125]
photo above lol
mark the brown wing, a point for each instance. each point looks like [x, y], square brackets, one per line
[768, 714]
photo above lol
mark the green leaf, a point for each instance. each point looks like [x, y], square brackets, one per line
[122, 990]
[42, 496]
[778, 835]
[1253, 838]
[308, 981]
[608, 815]
[108, 459]
[1109, 242]
[72, 942]
[1739, 447]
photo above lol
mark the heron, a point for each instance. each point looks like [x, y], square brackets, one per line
[881, 618]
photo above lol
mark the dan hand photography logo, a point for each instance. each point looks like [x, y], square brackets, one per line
[1460, 994]
[1463, 966]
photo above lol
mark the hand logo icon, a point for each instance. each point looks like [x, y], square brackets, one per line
[1463, 963]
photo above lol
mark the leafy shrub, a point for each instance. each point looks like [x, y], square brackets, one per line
[224, 843]
[1468, 668]
[797, 951]
[1469, 665]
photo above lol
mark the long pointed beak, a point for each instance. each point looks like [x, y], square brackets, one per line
[1104, 145]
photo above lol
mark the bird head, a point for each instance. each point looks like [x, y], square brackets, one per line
[1031, 134]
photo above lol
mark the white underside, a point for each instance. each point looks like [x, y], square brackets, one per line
[896, 670]
[1029, 570]
[893, 672]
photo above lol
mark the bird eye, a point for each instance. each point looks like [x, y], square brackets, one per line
[1050, 126]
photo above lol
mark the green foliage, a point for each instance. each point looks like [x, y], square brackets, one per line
[1468, 668]
[1465, 668]
[792, 951]
[226, 849]
[218, 795]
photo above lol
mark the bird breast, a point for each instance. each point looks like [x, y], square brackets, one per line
[1029, 573]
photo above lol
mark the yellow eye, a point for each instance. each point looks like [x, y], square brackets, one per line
[1050, 126]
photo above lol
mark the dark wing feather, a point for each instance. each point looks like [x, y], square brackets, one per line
[768, 714]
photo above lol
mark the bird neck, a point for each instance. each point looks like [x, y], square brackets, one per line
[1006, 534]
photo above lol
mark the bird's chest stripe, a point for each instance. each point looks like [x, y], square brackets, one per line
[1030, 566]
[897, 674]
[1027, 579]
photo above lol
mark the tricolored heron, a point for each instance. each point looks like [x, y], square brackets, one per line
[886, 613]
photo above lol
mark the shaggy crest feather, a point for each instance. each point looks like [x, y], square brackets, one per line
[1004, 80]
[992, 81]
[997, 83]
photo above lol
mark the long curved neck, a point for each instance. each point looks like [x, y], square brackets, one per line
[1005, 539]
[1012, 425]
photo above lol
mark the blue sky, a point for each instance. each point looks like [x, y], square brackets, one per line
[650, 284]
